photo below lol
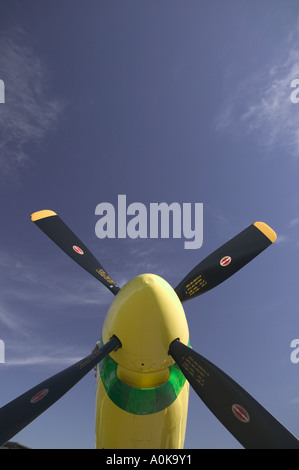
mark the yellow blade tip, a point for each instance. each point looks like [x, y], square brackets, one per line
[42, 215]
[268, 231]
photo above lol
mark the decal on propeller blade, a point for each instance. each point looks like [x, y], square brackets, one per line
[195, 285]
[225, 261]
[78, 250]
[39, 396]
[240, 413]
[105, 276]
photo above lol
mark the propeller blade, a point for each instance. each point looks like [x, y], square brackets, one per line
[226, 260]
[251, 424]
[54, 227]
[23, 410]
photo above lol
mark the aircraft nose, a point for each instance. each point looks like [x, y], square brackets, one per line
[146, 316]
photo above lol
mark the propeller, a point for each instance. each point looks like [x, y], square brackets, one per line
[226, 260]
[251, 424]
[23, 410]
[54, 227]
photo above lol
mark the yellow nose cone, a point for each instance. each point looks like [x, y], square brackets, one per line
[146, 315]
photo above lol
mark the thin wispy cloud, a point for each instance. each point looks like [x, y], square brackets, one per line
[29, 112]
[294, 222]
[262, 105]
[294, 401]
[24, 280]
[36, 353]
[30, 292]
[24, 347]
[290, 233]
[10, 320]
[281, 239]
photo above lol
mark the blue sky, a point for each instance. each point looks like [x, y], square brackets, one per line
[162, 101]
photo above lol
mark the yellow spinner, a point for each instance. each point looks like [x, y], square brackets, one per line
[142, 396]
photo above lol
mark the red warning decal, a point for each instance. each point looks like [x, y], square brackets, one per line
[225, 261]
[240, 413]
[78, 250]
[40, 395]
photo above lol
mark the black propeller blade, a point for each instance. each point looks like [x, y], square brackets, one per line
[251, 424]
[23, 410]
[226, 260]
[53, 226]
